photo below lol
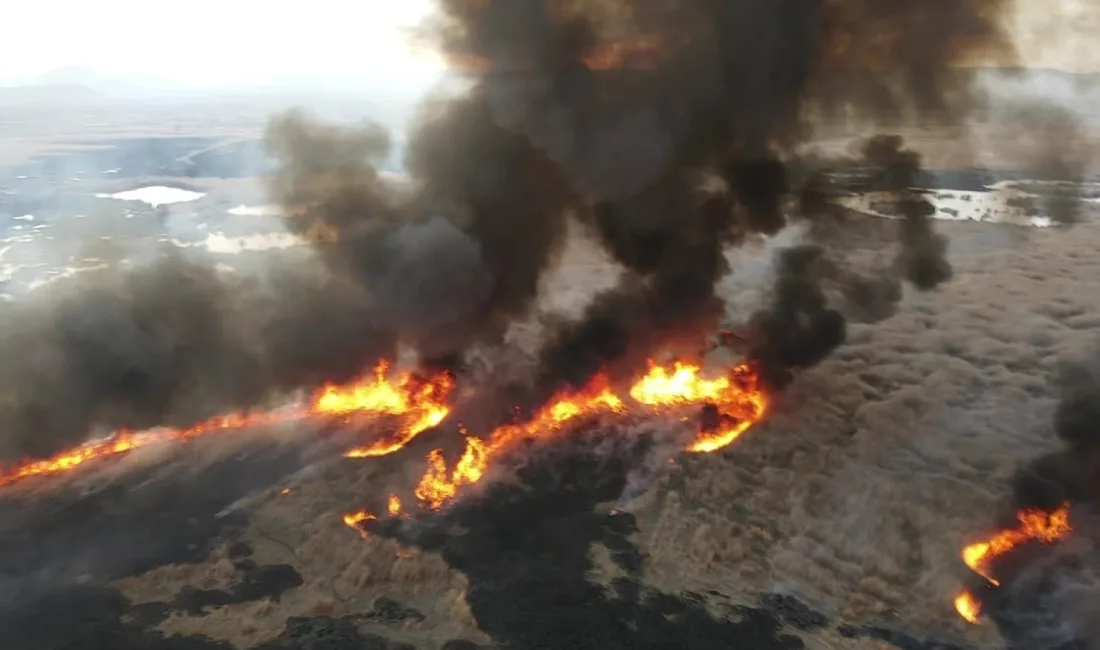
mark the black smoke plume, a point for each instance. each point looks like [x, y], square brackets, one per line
[729, 90]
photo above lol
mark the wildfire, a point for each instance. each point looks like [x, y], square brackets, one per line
[737, 398]
[732, 403]
[1034, 525]
[418, 402]
[968, 607]
[354, 519]
[393, 505]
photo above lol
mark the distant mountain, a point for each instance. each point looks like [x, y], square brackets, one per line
[49, 95]
[97, 86]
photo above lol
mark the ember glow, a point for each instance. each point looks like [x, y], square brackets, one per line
[1034, 525]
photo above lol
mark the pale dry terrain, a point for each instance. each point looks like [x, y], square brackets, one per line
[855, 495]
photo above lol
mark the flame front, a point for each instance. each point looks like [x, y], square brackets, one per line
[438, 486]
[737, 397]
[419, 403]
[1034, 525]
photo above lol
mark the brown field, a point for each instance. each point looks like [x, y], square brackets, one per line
[855, 495]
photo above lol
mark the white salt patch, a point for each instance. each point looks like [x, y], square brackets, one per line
[8, 271]
[985, 207]
[256, 210]
[219, 243]
[66, 273]
[156, 195]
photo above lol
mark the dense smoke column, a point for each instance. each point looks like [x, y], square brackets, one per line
[798, 328]
[727, 94]
[922, 259]
[1073, 472]
[171, 342]
[451, 260]
[454, 259]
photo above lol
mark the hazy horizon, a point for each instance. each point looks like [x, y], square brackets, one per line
[219, 44]
[245, 43]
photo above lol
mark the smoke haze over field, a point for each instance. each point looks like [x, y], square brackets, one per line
[539, 138]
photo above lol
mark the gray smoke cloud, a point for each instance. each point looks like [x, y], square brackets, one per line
[552, 126]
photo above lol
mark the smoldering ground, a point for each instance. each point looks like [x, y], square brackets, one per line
[495, 172]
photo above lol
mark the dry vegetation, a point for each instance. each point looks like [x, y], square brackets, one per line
[877, 466]
[855, 495]
[342, 573]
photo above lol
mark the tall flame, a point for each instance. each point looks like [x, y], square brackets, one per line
[1034, 525]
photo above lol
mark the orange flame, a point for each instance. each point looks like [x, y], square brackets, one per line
[968, 607]
[419, 402]
[124, 441]
[738, 398]
[393, 505]
[1045, 527]
[354, 519]
[437, 487]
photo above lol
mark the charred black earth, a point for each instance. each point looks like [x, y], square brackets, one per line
[523, 546]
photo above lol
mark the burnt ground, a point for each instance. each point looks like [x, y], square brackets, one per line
[836, 524]
[524, 546]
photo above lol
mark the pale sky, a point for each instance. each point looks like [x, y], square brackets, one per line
[233, 41]
[213, 41]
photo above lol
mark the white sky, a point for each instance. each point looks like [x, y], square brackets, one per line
[213, 41]
[233, 41]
